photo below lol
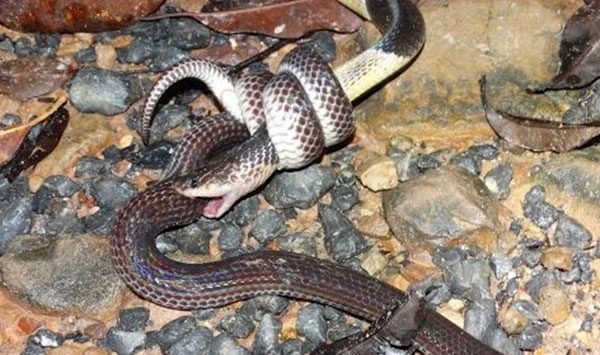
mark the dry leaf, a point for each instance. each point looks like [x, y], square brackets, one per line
[27, 77]
[579, 50]
[280, 19]
[59, 16]
[18, 153]
[535, 134]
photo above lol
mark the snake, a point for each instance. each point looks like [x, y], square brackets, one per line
[272, 122]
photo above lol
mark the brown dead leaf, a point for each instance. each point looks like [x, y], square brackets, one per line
[535, 134]
[280, 18]
[16, 154]
[27, 77]
[59, 16]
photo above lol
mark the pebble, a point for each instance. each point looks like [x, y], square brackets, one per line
[224, 344]
[167, 118]
[196, 341]
[343, 197]
[570, 233]
[166, 58]
[243, 212]
[267, 335]
[173, 331]
[238, 325]
[95, 90]
[23, 47]
[5, 44]
[471, 275]
[531, 339]
[186, 33]
[301, 188]
[292, 347]
[374, 261]
[47, 339]
[323, 43]
[301, 243]
[62, 274]
[231, 238]
[133, 319]
[90, 167]
[192, 239]
[469, 161]
[541, 213]
[480, 319]
[86, 55]
[311, 323]
[124, 342]
[342, 239]
[419, 209]
[62, 185]
[100, 222]
[498, 180]
[500, 264]
[558, 258]
[513, 321]
[156, 156]
[555, 304]
[427, 162]
[16, 219]
[375, 172]
[140, 50]
[405, 163]
[111, 192]
[267, 226]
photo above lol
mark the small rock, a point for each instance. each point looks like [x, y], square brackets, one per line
[311, 324]
[343, 197]
[514, 322]
[427, 162]
[62, 274]
[558, 258]
[16, 219]
[193, 239]
[156, 156]
[292, 347]
[541, 213]
[554, 304]
[268, 225]
[498, 180]
[342, 239]
[140, 50]
[87, 55]
[225, 344]
[469, 161]
[196, 341]
[569, 233]
[90, 167]
[62, 185]
[187, 33]
[301, 243]
[133, 319]
[237, 325]
[112, 192]
[123, 342]
[167, 118]
[173, 331]
[244, 211]
[480, 319]
[501, 265]
[267, 336]
[301, 188]
[374, 261]
[47, 339]
[531, 339]
[230, 238]
[96, 90]
[167, 57]
[375, 172]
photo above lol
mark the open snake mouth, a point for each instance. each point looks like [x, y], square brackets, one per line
[211, 210]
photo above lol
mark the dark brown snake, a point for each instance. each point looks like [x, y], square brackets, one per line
[191, 286]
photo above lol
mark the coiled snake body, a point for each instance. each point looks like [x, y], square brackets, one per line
[272, 122]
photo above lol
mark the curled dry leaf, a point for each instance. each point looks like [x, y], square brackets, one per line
[579, 50]
[59, 16]
[280, 18]
[17, 151]
[534, 134]
[27, 77]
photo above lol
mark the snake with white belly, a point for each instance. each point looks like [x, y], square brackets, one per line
[272, 122]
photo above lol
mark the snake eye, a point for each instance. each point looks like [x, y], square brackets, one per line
[194, 182]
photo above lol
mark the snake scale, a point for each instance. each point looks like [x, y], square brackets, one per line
[272, 122]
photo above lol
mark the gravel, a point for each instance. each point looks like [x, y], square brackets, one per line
[133, 319]
[311, 323]
[16, 219]
[267, 226]
[342, 239]
[301, 188]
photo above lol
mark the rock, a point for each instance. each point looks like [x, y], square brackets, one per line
[62, 274]
[440, 204]
[267, 336]
[301, 243]
[498, 180]
[173, 331]
[268, 225]
[375, 172]
[192, 239]
[156, 156]
[243, 212]
[570, 233]
[133, 319]
[96, 90]
[90, 167]
[16, 219]
[230, 238]
[531, 339]
[123, 342]
[558, 258]
[61, 185]
[405, 163]
[225, 344]
[196, 341]
[311, 324]
[237, 325]
[342, 239]
[374, 261]
[111, 192]
[541, 213]
[343, 197]
[186, 33]
[47, 339]
[513, 321]
[555, 304]
[301, 188]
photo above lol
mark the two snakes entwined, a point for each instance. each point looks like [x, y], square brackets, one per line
[271, 122]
